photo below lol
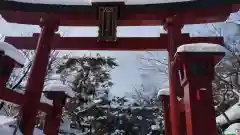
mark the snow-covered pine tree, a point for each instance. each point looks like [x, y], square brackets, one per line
[89, 77]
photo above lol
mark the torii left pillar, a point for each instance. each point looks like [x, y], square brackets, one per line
[173, 26]
[37, 74]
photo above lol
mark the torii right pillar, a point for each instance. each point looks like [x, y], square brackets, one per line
[196, 72]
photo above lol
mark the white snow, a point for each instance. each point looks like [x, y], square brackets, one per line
[12, 52]
[89, 2]
[233, 129]
[140, 117]
[58, 86]
[233, 113]
[55, 77]
[45, 100]
[102, 118]
[5, 128]
[97, 101]
[163, 92]
[6, 120]
[117, 132]
[201, 47]
[155, 127]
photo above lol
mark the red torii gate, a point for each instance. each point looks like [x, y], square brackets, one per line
[121, 15]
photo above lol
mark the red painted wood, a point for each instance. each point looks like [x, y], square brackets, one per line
[17, 98]
[183, 123]
[173, 28]
[166, 113]
[199, 108]
[200, 114]
[131, 44]
[181, 106]
[36, 77]
[128, 18]
[53, 119]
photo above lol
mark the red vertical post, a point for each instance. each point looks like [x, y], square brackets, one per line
[174, 32]
[198, 100]
[37, 75]
[166, 113]
[200, 113]
[53, 120]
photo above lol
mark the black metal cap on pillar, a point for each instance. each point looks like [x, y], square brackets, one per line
[56, 95]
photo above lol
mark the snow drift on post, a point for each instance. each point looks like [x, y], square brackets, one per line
[201, 47]
[163, 92]
[12, 52]
[57, 85]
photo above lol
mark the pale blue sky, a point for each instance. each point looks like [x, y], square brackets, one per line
[127, 75]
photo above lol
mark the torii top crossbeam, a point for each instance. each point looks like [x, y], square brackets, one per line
[132, 12]
[129, 13]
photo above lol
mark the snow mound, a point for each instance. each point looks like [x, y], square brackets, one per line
[12, 52]
[58, 86]
[6, 120]
[233, 113]
[201, 47]
[6, 129]
[163, 92]
[55, 77]
[89, 2]
[233, 129]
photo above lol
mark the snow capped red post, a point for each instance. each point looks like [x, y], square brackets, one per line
[56, 93]
[195, 64]
[163, 96]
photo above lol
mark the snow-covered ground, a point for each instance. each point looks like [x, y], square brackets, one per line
[89, 2]
[233, 129]
[232, 113]
[7, 129]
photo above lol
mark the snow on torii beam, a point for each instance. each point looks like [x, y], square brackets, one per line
[122, 44]
[133, 15]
